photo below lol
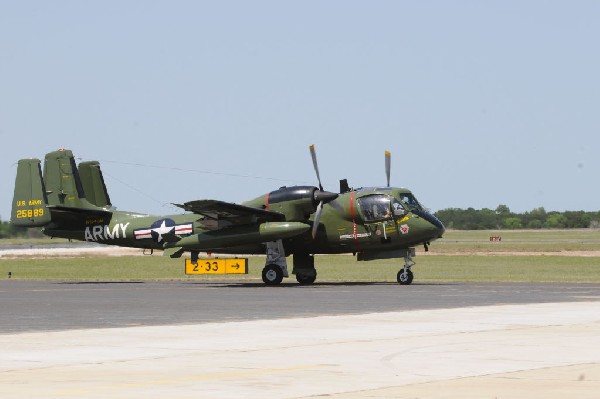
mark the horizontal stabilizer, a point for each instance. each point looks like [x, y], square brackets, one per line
[78, 218]
[80, 211]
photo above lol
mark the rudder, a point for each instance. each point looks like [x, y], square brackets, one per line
[29, 208]
[62, 180]
[93, 184]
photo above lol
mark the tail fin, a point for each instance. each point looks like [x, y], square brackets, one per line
[29, 208]
[93, 184]
[63, 182]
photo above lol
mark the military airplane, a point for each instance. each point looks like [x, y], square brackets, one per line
[71, 201]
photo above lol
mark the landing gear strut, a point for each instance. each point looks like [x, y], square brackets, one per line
[276, 265]
[405, 276]
[304, 268]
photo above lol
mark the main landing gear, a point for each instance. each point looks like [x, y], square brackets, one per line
[306, 277]
[304, 268]
[272, 274]
[405, 276]
[276, 266]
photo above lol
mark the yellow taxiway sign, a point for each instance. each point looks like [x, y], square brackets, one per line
[217, 266]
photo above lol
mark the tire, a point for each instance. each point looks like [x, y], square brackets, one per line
[404, 278]
[272, 275]
[306, 278]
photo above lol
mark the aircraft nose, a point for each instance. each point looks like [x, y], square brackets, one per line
[440, 226]
[441, 229]
[437, 223]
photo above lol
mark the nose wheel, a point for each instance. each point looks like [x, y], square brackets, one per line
[405, 276]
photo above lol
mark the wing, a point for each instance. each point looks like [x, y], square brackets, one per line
[219, 214]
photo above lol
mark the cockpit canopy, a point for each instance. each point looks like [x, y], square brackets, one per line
[410, 201]
[380, 207]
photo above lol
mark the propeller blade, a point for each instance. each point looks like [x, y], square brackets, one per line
[388, 162]
[314, 159]
[321, 196]
[317, 219]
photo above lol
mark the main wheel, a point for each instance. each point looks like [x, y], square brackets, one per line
[272, 275]
[405, 278]
[306, 278]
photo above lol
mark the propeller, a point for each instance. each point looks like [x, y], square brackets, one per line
[388, 162]
[313, 154]
[321, 196]
[317, 220]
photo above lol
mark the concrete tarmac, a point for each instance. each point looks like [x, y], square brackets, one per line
[53, 306]
[447, 347]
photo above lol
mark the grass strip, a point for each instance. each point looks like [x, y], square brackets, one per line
[454, 268]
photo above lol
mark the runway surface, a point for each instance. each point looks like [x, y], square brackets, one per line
[53, 306]
[344, 341]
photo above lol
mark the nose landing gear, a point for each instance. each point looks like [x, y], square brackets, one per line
[405, 276]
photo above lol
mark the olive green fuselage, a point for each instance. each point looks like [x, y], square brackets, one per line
[348, 224]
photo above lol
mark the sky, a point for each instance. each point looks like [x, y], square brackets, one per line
[480, 103]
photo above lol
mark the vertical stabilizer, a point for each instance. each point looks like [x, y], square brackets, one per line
[63, 182]
[29, 200]
[93, 184]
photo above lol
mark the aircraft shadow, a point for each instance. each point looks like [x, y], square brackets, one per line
[316, 285]
[257, 284]
[98, 282]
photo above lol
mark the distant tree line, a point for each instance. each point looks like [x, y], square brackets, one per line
[7, 230]
[503, 218]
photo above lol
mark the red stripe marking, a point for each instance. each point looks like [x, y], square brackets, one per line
[352, 214]
[267, 205]
[352, 207]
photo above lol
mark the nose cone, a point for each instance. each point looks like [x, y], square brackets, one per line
[440, 226]
[437, 227]
[324, 196]
[437, 223]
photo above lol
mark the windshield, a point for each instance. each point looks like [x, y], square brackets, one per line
[397, 207]
[375, 207]
[410, 201]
